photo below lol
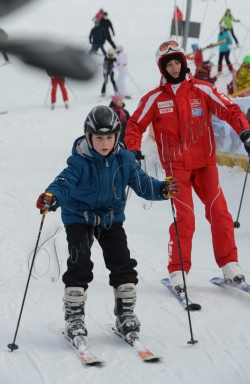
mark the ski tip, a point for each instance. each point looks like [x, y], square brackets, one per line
[194, 307]
[216, 280]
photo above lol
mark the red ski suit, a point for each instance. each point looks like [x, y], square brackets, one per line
[61, 82]
[181, 115]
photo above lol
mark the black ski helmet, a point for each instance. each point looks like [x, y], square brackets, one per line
[102, 120]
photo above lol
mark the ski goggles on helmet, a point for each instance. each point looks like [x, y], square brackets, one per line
[169, 46]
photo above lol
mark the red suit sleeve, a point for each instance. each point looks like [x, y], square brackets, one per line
[138, 123]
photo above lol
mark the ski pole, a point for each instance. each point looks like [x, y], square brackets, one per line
[134, 83]
[47, 95]
[236, 223]
[192, 341]
[71, 90]
[14, 346]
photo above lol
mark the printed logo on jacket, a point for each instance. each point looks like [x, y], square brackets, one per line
[197, 111]
[163, 104]
[195, 102]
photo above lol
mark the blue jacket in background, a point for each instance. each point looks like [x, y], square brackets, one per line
[91, 190]
[97, 35]
[224, 46]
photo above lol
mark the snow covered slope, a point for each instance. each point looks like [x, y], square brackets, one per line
[34, 145]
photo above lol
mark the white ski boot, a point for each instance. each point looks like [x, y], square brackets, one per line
[176, 281]
[125, 299]
[74, 302]
[233, 273]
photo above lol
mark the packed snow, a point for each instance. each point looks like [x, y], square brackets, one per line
[34, 145]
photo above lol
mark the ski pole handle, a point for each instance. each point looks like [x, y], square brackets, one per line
[49, 195]
[168, 179]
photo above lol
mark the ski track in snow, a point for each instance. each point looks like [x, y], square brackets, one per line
[35, 143]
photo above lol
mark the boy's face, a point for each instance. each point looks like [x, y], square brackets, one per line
[103, 144]
[174, 67]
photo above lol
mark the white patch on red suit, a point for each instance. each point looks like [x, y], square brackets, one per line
[166, 110]
[163, 104]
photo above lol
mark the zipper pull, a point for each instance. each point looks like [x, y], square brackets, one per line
[107, 163]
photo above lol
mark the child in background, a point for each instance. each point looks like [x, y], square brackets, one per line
[55, 81]
[118, 105]
[108, 70]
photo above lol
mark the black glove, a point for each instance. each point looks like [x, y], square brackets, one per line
[169, 188]
[46, 202]
[245, 138]
[138, 155]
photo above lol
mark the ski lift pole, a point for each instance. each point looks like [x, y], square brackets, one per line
[71, 90]
[135, 83]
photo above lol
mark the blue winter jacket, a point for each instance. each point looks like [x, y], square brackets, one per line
[224, 46]
[97, 35]
[91, 190]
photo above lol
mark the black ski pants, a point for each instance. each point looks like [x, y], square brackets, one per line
[106, 75]
[109, 39]
[113, 242]
[233, 35]
[221, 56]
[95, 47]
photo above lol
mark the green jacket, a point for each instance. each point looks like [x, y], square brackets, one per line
[228, 21]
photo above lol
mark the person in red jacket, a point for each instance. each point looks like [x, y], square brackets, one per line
[99, 15]
[177, 14]
[181, 110]
[55, 81]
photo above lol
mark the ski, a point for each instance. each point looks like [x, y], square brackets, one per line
[181, 299]
[79, 344]
[132, 338]
[219, 281]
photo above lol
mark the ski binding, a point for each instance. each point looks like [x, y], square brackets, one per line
[182, 299]
[220, 281]
[132, 338]
[79, 344]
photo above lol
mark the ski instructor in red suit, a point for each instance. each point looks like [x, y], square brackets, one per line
[181, 110]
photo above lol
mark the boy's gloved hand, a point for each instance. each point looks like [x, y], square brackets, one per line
[46, 202]
[245, 138]
[169, 188]
[138, 155]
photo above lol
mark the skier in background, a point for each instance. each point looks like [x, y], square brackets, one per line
[177, 14]
[55, 81]
[225, 48]
[197, 56]
[180, 110]
[97, 38]
[204, 73]
[99, 15]
[228, 19]
[122, 71]
[118, 105]
[108, 70]
[91, 194]
[106, 24]
[3, 38]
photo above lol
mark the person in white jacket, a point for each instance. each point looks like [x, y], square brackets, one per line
[121, 63]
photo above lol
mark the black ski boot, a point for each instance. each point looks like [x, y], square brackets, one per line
[125, 299]
[74, 301]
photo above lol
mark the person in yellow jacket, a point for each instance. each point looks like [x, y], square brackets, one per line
[228, 20]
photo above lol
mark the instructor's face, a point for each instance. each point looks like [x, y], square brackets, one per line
[173, 67]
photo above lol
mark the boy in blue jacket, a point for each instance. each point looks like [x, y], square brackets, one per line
[91, 194]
